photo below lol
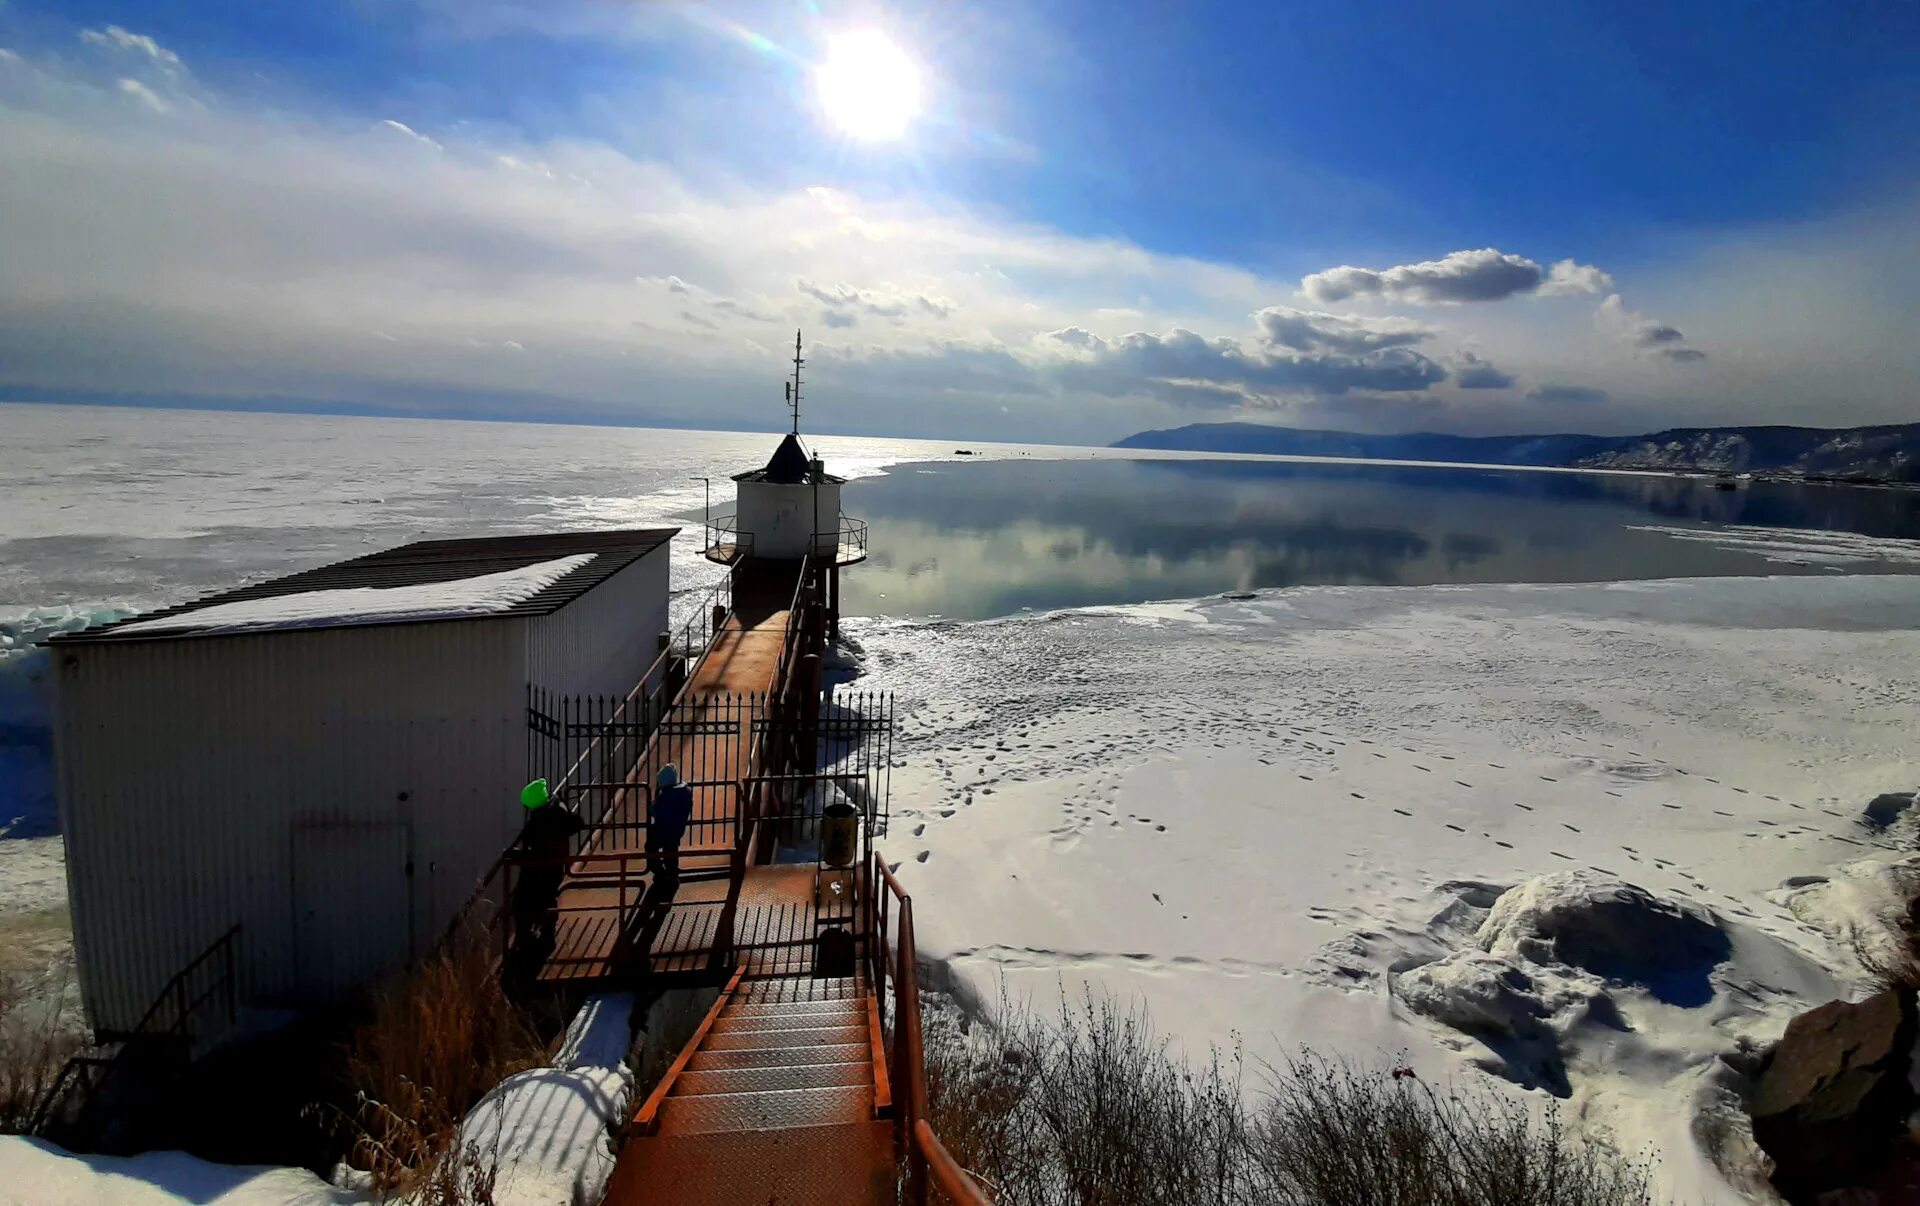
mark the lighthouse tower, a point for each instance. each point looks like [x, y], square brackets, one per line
[787, 512]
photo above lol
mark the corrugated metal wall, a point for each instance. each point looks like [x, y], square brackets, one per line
[603, 641]
[338, 792]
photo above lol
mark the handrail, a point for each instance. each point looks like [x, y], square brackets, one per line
[499, 869]
[173, 992]
[851, 534]
[922, 1150]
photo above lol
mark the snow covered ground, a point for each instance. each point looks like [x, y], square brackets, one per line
[1289, 820]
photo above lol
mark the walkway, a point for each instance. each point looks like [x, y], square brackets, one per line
[709, 735]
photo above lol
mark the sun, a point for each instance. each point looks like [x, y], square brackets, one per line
[867, 86]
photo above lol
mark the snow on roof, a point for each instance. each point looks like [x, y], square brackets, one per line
[461, 598]
[428, 564]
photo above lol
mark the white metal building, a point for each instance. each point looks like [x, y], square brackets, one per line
[332, 760]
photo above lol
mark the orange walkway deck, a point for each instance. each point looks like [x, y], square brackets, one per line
[709, 737]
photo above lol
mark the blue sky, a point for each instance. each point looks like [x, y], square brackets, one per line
[1468, 217]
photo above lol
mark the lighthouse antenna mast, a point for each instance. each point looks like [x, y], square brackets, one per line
[793, 387]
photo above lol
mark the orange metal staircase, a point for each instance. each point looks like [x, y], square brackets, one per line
[780, 1096]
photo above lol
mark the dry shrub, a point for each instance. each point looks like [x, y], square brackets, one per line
[441, 1036]
[1332, 1133]
[39, 1030]
[1090, 1109]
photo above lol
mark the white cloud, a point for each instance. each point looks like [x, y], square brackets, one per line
[1475, 372]
[145, 95]
[406, 131]
[114, 38]
[1309, 330]
[1567, 277]
[1645, 334]
[1483, 275]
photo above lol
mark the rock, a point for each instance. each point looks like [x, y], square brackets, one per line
[1833, 1100]
[1618, 931]
[1883, 810]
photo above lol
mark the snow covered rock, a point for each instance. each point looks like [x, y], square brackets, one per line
[1618, 931]
[1835, 1095]
[1886, 808]
[546, 1131]
[1545, 962]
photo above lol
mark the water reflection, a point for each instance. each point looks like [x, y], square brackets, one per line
[992, 538]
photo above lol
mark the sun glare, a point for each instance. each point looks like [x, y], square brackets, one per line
[867, 86]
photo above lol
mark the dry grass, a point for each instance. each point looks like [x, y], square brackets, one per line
[1333, 1133]
[1089, 1108]
[440, 1037]
[39, 1029]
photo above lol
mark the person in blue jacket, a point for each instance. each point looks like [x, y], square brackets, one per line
[667, 819]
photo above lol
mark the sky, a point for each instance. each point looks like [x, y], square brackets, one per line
[1041, 221]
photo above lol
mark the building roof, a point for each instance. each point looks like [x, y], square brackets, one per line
[590, 558]
[790, 465]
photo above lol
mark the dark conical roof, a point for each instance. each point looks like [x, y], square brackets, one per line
[790, 465]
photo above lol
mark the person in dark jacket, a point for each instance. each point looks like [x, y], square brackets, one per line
[667, 820]
[546, 839]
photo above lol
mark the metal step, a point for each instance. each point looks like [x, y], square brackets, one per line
[762, 1080]
[801, 1016]
[799, 988]
[830, 1165]
[707, 1059]
[778, 1109]
[850, 1006]
[770, 1040]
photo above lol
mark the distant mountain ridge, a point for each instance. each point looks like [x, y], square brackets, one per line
[1889, 453]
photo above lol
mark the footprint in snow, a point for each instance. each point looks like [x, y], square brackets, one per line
[1455, 828]
[1528, 807]
[923, 856]
[1550, 778]
[1503, 845]
[1575, 828]
[1356, 795]
[1403, 812]
[1463, 783]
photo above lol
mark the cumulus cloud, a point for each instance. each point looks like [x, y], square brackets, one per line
[1483, 275]
[1567, 277]
[1550, 392]
[1309, 330]
[1475, 372]
[1645, 334]
[1182, 365]
[878, 302]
